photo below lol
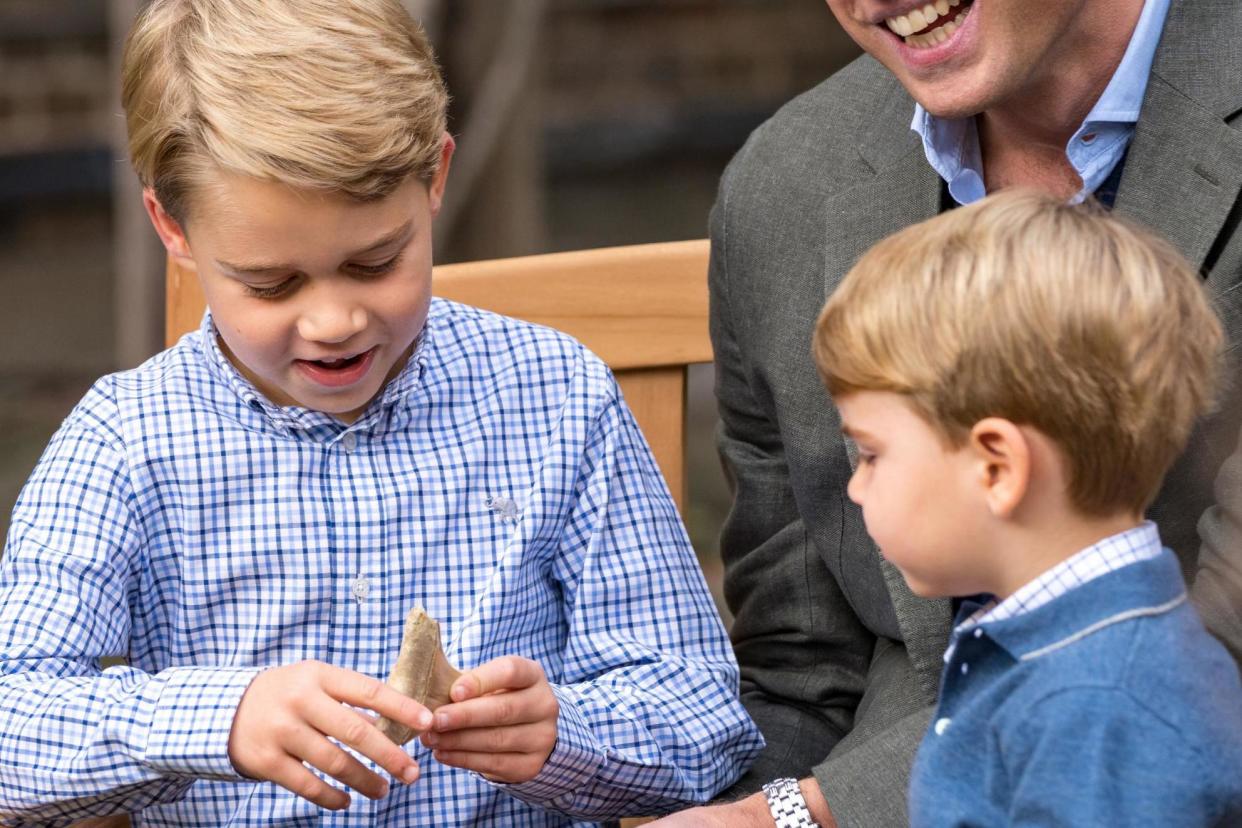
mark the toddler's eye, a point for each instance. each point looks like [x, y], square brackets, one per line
[376, 270]
[272, 291]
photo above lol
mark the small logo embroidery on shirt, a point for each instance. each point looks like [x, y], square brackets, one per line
[507, 508]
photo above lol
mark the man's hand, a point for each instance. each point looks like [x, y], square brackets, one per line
[751, 811]
[288, 716]
[502, 722]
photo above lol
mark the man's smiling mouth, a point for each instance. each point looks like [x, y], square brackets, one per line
[930, 25]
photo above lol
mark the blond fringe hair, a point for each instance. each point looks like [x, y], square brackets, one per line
[1060, 317]
[337, 95]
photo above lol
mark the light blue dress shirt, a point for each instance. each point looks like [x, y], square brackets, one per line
[182, 520]
[952, 144]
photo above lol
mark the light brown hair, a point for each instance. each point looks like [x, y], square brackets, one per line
[1060, 317]
[339, 95]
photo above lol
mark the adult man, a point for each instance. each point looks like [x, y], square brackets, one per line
[840, 662]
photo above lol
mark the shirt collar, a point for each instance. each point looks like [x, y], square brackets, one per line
[1111, 553]
[952, 144]
[1123, 97]
[1150, 583]
[293, 417]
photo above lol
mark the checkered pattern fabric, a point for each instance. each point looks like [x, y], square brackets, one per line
[181, 520]
[1138, 544]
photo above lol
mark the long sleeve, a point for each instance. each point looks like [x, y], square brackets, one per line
[649, 718]
[79, 740]
[1217, 588]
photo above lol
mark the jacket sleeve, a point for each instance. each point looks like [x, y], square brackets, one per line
[1217, 588]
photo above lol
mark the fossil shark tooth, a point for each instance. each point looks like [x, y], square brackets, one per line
[421, 672]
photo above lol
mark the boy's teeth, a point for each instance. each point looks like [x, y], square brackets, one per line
[906, 25]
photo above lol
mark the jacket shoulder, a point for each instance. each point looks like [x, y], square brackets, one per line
[812, 142]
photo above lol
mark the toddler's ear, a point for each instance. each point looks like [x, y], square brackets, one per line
[169, 231]
[1002, 455]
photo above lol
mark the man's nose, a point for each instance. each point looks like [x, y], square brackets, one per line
[332, 320]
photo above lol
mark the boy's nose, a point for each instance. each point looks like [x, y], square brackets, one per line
[853, 489]
[331, 322]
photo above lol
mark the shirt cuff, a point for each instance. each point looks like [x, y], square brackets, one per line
[575, 760]
[193, 718]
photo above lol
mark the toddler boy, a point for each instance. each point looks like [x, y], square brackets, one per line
[249, 516]
[1017, 376]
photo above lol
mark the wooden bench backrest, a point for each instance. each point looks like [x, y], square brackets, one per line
[642, 309]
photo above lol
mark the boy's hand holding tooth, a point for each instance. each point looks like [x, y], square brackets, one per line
[289, 714]
[501, 722]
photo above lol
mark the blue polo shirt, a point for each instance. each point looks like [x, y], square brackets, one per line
[1108, 705]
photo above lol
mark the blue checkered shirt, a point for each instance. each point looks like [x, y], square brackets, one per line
[182, 521]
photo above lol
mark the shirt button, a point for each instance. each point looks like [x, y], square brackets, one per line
[349, 442]
[941, 726]
[965, 668]
[978, 632]
[361, 588]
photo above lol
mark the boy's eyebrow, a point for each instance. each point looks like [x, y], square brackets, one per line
[853, 434]
[399, 234]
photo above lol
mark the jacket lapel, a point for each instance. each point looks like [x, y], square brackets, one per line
[1184, 170]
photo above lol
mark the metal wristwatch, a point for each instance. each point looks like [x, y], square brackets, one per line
[787, 805]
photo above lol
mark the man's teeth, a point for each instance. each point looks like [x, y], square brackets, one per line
[906, 25]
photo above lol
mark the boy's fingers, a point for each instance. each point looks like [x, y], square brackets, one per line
[504, 673]
[498, 709]
[372, 694]
[524, 738]
[295, 778]
[357, 731]
[498, 767]
[319, 753]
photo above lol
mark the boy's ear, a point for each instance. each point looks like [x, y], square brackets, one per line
[438, 182]
[169, 231]
[1002, 455]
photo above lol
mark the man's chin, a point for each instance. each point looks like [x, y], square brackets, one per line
[947, 104]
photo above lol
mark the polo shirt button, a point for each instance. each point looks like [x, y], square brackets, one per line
[942, 725]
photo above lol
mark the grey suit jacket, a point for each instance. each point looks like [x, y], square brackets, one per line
[840, 661]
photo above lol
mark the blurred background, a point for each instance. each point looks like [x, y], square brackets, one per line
[580, 123]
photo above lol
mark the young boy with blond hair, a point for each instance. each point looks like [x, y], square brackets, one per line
[249, 516]
[1017, 376]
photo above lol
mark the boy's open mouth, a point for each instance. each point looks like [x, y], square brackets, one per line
[930, 25]
[339, 364]
[338, 371]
